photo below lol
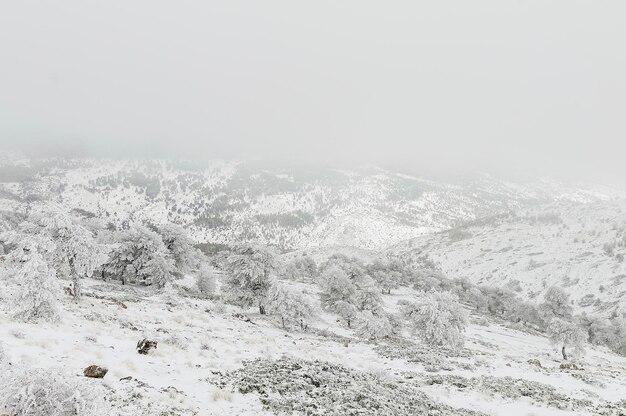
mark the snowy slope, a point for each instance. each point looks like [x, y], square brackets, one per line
[579, 247]
[199, 340]
[293, 207]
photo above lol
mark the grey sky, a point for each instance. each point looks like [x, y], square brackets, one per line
[486, 84]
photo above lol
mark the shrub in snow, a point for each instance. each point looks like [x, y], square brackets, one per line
[170, 294]
[292, 307]
[205, 280]
[36, 392]
[440, 319]
[37, 297]
[176, 341]
[566, 335]
[248, 279]
[294, 387]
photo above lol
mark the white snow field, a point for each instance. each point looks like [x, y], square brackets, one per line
[200, 339]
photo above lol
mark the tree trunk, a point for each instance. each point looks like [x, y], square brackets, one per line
[77, 289]
[563, 352]
[262, 309]
[348, 323]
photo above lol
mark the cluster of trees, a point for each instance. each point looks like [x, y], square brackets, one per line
[250, 281]
[52, 243]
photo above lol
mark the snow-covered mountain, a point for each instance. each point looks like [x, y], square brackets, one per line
[294, 208]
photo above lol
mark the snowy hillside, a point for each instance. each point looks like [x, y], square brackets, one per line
[579, 247]
[227, 202]
[209, 361]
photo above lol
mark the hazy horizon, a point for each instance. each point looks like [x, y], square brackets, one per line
[505, 86]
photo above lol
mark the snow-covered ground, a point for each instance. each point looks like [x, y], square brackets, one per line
[200, 339]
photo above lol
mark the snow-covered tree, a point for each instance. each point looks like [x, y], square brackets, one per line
[556, 304]
[566, 335]
[301, 268]
[293, 308]
[182, 249]
[351, 266]
[386, 275]
[338, 293]
[160, 270]
[346, 310]
[205, 279]
[77, 252]
[370, 326]
[440, 319]
[37, 297]
[136, 255]
[248, 276]
[368, 296]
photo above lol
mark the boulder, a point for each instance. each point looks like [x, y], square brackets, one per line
[95, 371]
[145, 346]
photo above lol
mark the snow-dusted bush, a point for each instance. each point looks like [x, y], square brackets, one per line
[440, 319]
[292, 307]
[37, 297]
[567, 335]
[205, 280]
[35, 392]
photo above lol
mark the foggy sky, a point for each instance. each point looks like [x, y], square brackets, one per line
[527, 85]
